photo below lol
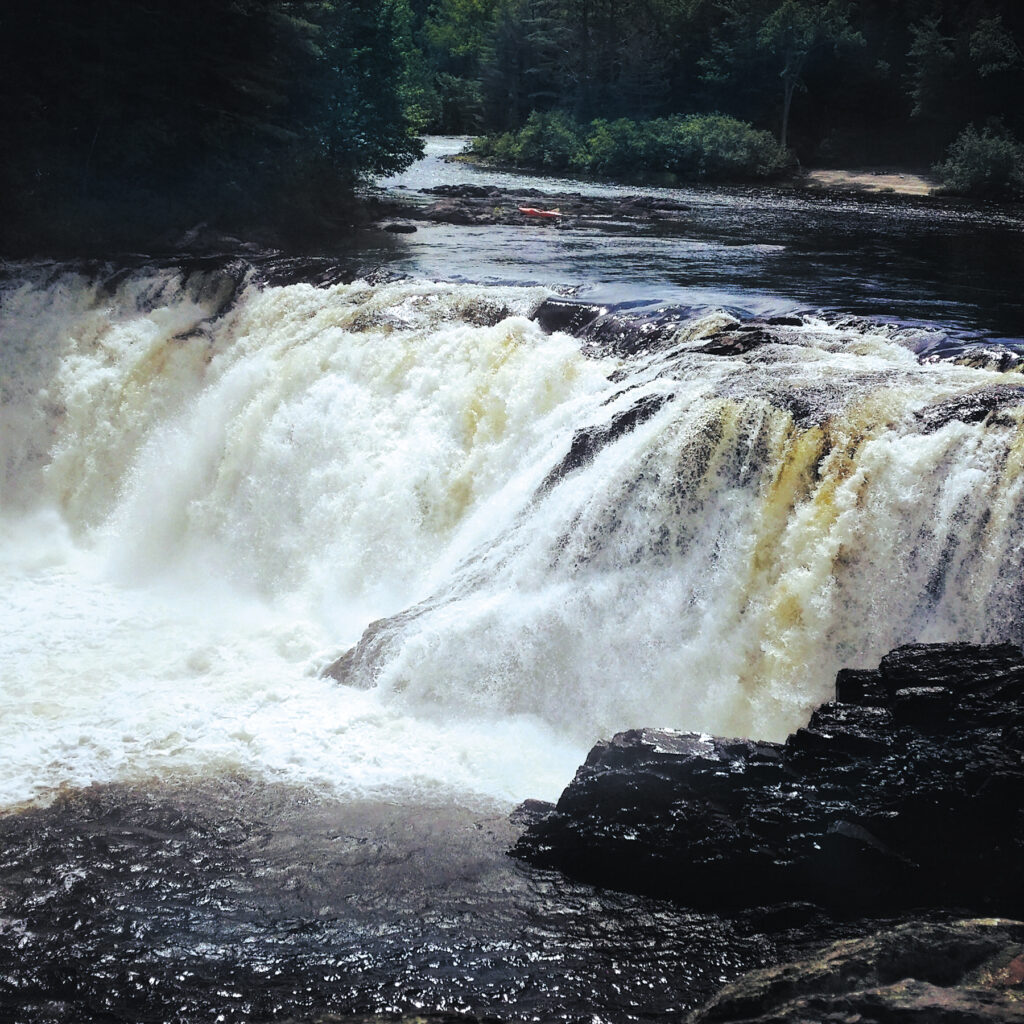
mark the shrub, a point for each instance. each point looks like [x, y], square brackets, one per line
[698, 147]
[549, 140]
[985, 163]
[614, 149]
[716, 146]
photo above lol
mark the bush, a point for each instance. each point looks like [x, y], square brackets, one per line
[715, 146]
[550, 141]
[985, 163]
[614, 149]
[710, 147]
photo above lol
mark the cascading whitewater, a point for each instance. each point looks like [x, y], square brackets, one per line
[511, 544]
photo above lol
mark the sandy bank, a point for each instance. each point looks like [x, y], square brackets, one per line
[873, 181]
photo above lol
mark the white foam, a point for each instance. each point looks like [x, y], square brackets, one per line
[201, 510]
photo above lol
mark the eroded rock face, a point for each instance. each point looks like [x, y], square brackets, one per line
[908, 790]
[964, 972]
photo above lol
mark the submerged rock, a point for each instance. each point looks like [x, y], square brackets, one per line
[399, 227]
[964, 972]
[907, 790]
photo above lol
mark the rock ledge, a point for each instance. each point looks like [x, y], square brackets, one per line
[906, 791]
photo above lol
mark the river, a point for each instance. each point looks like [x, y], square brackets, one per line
[214, 486]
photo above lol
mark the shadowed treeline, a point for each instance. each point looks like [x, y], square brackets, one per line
[122, 117]
[841, 82]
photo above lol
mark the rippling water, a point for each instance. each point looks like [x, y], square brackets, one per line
[215, 483]
[950, 265]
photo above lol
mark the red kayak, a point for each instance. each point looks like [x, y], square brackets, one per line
[531, 212]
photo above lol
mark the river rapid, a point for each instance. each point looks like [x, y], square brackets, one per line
[217, 480]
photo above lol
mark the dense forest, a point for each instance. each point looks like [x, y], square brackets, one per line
[132, 114]
[840, 83]
[124, 117]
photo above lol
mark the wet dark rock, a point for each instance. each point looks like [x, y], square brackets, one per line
[399, 227]
[464, 191]
[321, 271]
[625, 333]
[922, 706]
[452, 211]
[227, 896]
[908, 790]
[976, 407]
[652, 203]
[737, 341]
[566, 316]
[354, 667]
[586, 443]
[962, 972]
[993, 669]
[380, 275]
[530, 811]
[860, 686]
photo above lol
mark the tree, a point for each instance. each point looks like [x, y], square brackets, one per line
[794, 31]
[119, 115]
[932, 61]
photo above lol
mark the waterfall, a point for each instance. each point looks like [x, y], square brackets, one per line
[370, 535]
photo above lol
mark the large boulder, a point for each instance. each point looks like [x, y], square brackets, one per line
[962, 972]
[907, 790]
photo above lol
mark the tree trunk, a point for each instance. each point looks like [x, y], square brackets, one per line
[788, 88]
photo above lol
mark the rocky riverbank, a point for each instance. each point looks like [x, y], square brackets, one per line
[903, 796]
[488, 205]
[904, 791]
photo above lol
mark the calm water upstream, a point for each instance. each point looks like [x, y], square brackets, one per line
[212, 487]
[757, 249]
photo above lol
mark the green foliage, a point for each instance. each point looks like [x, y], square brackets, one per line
[993, 50]
[550, 141]
[617, 149]
[877, 80]
[698, 147]
[460, 28]
[793, 31]
[989, 163]
[932, 61]
[462, 105]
